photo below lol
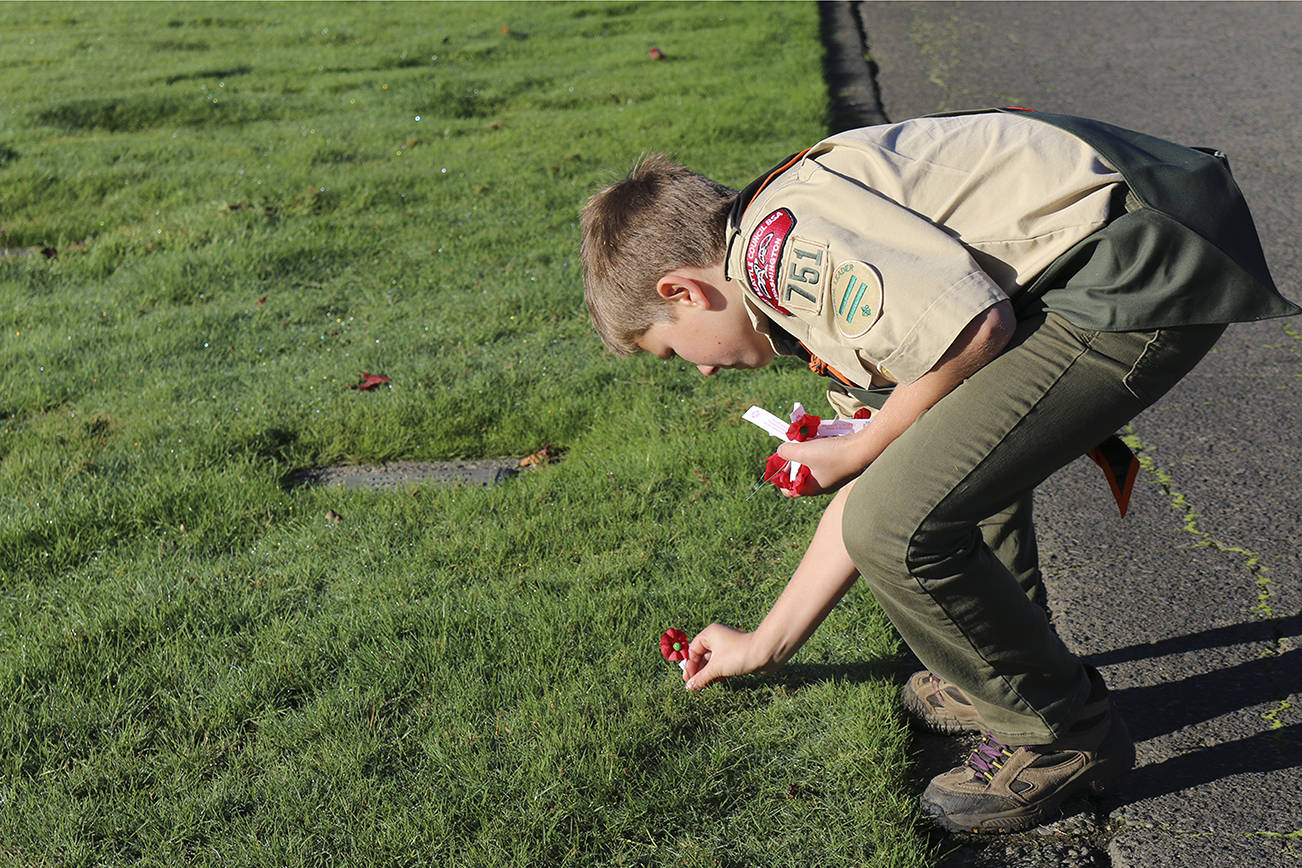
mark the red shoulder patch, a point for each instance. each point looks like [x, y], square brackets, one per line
[764, 253]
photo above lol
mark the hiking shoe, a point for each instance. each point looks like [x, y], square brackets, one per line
[939, 706]
[1002, 788]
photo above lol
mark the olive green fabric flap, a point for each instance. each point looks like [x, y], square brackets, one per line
[1189, 256]
[1145, 270]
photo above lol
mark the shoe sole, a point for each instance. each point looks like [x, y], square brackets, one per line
[925, 718]
[1100, 779]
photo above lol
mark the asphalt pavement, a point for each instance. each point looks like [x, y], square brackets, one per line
[1190, 606]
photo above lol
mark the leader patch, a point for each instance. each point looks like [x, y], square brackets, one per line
[856, 297]
[764, 254]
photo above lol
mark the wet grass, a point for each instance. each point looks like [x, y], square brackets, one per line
[250, 204]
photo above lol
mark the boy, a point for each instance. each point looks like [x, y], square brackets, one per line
[1007, 289]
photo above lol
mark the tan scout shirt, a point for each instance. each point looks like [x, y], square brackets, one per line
[881, 244]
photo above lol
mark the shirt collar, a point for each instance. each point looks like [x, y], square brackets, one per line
[743, 200]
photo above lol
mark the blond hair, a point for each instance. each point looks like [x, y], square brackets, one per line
[662, 216]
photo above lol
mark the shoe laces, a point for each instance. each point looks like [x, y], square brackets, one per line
[989, 757]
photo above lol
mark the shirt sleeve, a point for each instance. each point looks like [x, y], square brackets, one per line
[864, 272]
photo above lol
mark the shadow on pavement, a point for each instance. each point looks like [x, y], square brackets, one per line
[1269, 751]
[1239, 634]
[1163, 708]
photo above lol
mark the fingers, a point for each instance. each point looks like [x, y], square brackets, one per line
[697, 674]
[698, 652]
[704, 678]
[713, 655]
[791, 450]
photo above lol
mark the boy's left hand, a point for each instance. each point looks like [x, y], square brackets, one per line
[834, 461]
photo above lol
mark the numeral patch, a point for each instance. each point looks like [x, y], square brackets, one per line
[805, 275]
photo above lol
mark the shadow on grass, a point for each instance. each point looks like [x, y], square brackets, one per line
[795, 676]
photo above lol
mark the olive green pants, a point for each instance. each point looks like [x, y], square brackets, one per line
[940, 525]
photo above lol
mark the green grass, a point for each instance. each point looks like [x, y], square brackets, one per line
[251, 204]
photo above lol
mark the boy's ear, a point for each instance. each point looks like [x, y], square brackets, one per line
[678, 287]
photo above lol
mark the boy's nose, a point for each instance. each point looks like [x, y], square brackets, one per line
[707, 370]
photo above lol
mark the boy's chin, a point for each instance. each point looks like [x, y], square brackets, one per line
[749, 365]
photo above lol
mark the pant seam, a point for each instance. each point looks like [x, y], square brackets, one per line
[1125, 381]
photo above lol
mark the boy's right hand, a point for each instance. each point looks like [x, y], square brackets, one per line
[717, 652]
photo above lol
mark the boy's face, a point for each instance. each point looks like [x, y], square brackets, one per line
[709, 328]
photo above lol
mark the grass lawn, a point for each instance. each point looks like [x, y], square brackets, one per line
[251, 204]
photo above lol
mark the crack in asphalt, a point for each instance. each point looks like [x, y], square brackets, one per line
[1189, 516]
[1251, 560]
[1289, 837]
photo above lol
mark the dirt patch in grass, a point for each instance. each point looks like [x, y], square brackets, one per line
[401, 474]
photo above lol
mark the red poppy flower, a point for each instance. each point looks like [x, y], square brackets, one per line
[778, 471]
[804, 428]
[804, 484]
[775, 468]
[673, 645]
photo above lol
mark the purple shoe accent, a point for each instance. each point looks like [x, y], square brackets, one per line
[989, 756]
